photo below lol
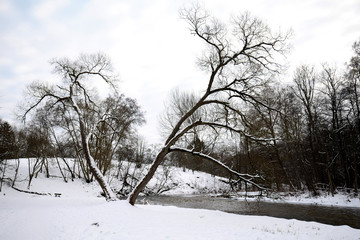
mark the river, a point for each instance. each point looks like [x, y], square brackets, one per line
[306, 212]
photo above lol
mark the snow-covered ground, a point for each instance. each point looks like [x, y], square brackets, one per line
[195, 182]
[93, 218]
[304, 198]
[324, 199]
[80, 213]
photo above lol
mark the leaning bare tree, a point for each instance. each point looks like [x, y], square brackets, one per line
[239, 61]
[74, 96]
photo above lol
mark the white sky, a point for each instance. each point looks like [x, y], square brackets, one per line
[150, 46]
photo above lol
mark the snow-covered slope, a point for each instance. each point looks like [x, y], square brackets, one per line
[178, 181]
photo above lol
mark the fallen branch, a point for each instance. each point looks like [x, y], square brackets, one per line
[30, 192]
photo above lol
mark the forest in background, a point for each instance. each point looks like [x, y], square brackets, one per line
[309, 138]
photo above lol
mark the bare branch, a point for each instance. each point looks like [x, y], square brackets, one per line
[245, 177]
[239, 63]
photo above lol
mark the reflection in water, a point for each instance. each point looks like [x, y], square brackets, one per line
[328, 215]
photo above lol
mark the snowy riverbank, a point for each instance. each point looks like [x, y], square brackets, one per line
[68, 218]
[80, 213]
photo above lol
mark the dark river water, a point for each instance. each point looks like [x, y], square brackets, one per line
[323, 214]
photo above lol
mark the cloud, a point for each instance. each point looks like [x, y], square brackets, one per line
[47, 8]
[6, 8]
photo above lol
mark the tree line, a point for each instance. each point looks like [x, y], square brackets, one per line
[304, 135]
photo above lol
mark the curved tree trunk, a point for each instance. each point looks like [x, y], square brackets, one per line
[141, 185]
[109, 195]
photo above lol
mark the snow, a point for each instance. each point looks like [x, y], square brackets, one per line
[80, 213]
[40, 217]
[194, 182]
[304, 198]
[324, 199]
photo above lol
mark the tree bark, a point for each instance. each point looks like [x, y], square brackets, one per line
[141, 185]
[109, 195]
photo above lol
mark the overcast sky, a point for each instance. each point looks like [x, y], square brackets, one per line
[149, 45]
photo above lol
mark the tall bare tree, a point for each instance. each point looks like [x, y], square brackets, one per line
[333, 99]
[353, 118]
[124, 113]
[73, 94]
[305, 78]
[239, 61]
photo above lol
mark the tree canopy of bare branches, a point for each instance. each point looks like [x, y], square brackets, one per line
[74, 96]
[239, 61]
